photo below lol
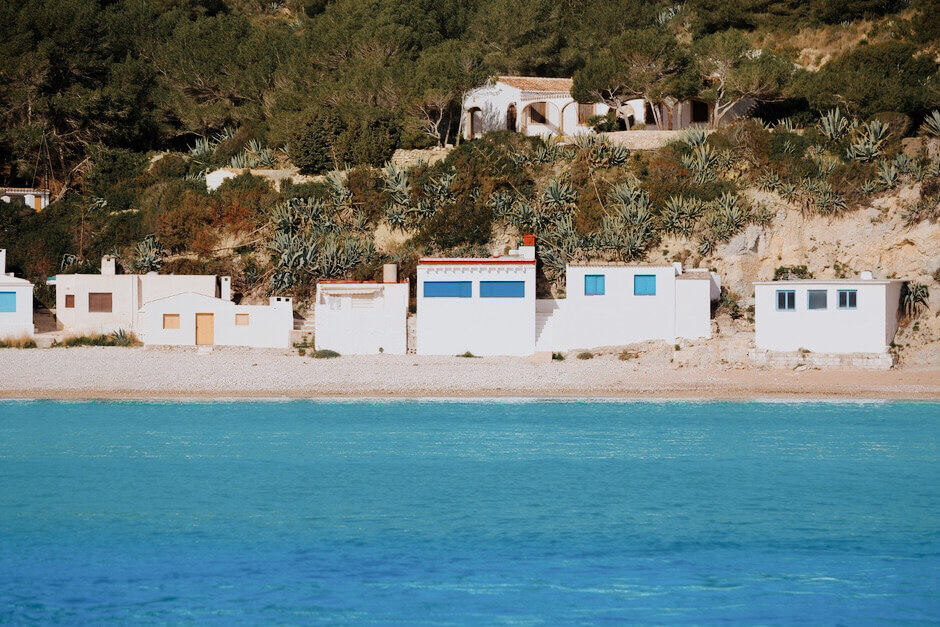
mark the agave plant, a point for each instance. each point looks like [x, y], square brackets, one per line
[869, 187]
[283, 217]
[395, 216]
[904, 163]
[784, 125]
[439, 189]
[914, 298]
[702, 163]
[425, 208]
[240, 161]
[202, 149]
[625, 193]
[769, 181]
[888, 175]
[830, 203]
[559, 196]
[761, 216]
[932, 124]
[788, 190]
[340, 195]
[501, 204]
[869, 141]
[149, 255]
[694, 136]
[834, 126]
[395, 182]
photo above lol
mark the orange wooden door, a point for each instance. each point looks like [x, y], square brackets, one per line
[205, 329]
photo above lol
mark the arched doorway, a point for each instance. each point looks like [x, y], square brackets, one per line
[701, 112]
[511, 117]
[474, 122]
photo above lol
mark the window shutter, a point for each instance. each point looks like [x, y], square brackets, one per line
[99, 302]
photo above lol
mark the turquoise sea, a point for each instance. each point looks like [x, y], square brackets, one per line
[479, 512]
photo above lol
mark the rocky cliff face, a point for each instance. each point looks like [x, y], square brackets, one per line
[872, 238]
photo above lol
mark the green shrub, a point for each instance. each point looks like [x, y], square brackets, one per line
[586, 355]
[324, 353]
[116, 338]
[467, 354]
[17, 342]
[626, 355]
[558, 356]
[782, 273]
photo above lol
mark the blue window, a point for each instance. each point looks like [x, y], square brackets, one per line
[644, 285]
[848, 299]
[816, 299]
[786, 300]
[447, 289]
[502, 289]
[593, 284]
[7, 302]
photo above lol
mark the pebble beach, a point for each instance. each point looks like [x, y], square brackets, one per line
[162, 373]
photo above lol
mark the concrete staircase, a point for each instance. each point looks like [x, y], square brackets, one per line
[304, 329]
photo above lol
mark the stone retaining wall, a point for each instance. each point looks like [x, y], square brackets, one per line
[854, 361]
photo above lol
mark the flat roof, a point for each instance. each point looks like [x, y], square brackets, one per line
[618, 264]
[831, 282]
[470, 261]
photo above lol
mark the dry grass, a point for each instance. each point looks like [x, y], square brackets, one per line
[814, 47]
[19, 341]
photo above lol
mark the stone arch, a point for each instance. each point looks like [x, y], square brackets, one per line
[543, 113]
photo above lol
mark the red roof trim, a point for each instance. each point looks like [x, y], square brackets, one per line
[476, 262]
[341, 282]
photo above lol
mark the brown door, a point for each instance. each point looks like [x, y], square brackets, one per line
[205, 329]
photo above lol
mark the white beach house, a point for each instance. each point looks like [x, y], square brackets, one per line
[192, 319]
[106, 302]
[362, 317]
[827, 315]
[16, 303]
[482, 305]
[615, 304]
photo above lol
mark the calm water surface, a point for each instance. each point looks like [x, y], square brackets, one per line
[470, 512]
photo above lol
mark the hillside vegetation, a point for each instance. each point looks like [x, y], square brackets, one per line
[124, 106]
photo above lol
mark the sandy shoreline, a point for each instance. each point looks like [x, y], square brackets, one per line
[121, 373]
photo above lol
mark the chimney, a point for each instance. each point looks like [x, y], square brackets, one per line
[527, 250]
[390, 273]
[225, 288]
[867, 275]
[677, 267]
[3, 261]
[107, 265]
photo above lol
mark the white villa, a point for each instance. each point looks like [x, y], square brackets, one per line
[529, 105]
[485, 306]
[615, 304]
[544, 106]
[191, 319]
[363, 317]
[16, 303]
[827, 315]
[488, 306]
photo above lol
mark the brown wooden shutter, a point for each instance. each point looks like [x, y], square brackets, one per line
[585, 112]
[99, 302]
[70, 301]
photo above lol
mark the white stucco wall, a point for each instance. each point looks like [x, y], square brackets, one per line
[693, 306]
[483, 326]
[129, 292]
[618, 316]
[869, 328]
[18, 323]
[269, 326]
[361, 318]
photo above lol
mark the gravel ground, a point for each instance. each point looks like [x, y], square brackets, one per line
[97, 372]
